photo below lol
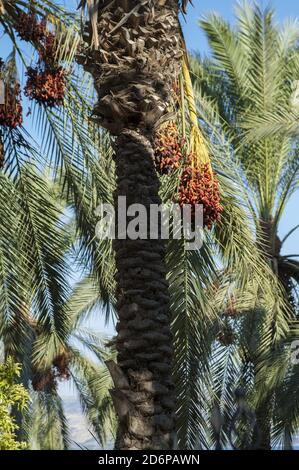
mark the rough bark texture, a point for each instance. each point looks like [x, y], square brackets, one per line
[270, 245]
[135, 63]
[133, 51]
[144, 393]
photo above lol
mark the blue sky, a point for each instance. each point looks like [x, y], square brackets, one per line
[194, 37]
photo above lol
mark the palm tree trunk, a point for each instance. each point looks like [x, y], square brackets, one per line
[269, 245]
[133, 51]
[144, 395]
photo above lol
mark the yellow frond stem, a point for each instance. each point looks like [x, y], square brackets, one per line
[189, 94]
[198, 148]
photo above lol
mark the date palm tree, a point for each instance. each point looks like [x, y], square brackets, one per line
[250, 77]
[133, 52]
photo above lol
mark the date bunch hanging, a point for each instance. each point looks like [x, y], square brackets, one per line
[46, 85]
[168, 148]
[198, 183]
[10, 104]
[226, 336]
[29, 27]
[47, 379]
[46, 82]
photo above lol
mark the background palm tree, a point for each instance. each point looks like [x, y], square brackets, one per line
[250, 76]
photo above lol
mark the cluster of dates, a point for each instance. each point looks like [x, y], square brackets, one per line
[201, 186]
[46, 379]
[226, 336]
[29, 28]
[11, 109]
[10, 104]
[168, 149]
[198, 183]
[46, 82]
[46, 85]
